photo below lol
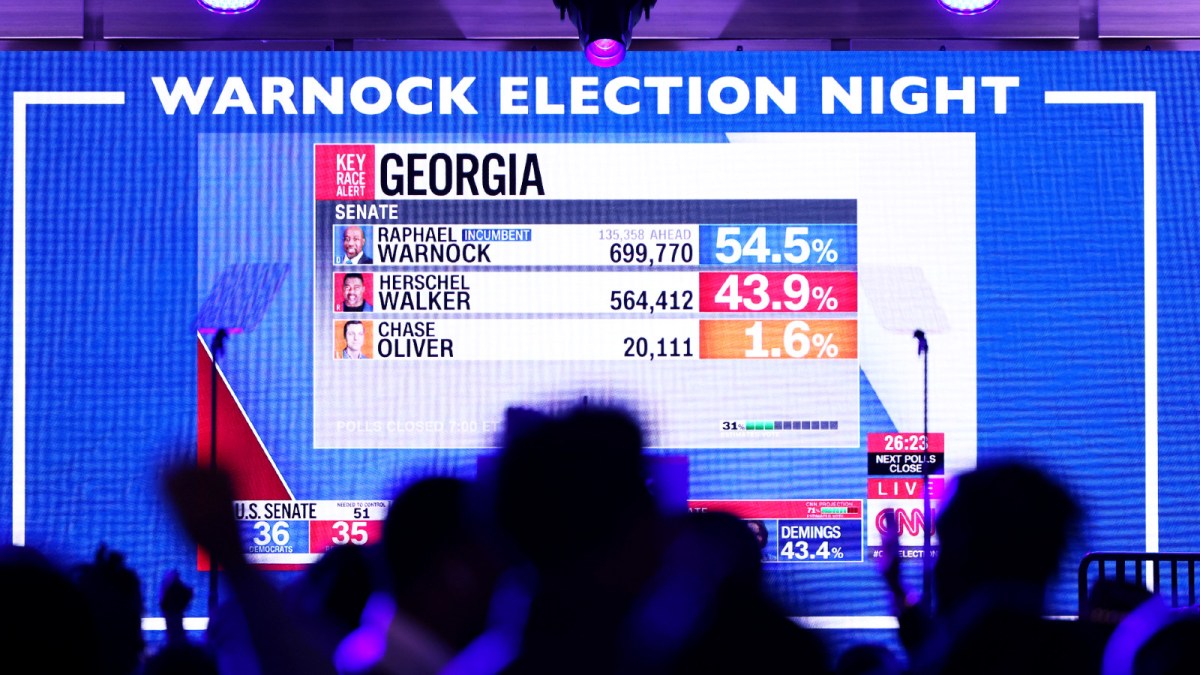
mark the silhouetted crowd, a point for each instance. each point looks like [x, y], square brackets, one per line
[559, 559]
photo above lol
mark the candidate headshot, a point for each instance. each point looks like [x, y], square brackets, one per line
[355, 246]
[761, 535]
[352, 293]
[353, 340]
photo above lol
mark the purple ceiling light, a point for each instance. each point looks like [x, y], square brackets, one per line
[604, 52]
[605, 26]
[967, 6]
[228, 6]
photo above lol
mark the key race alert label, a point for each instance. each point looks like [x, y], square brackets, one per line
[345, 172]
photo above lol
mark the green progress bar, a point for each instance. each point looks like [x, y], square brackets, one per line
[791, 425]
[834, 509]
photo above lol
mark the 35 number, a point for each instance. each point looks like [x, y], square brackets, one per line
[349, 533]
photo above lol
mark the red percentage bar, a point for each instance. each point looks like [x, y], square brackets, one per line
[779, 292]
[325, 534]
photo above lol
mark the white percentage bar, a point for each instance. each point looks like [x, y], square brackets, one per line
[636, 293]
[543, 244]
[535, 340]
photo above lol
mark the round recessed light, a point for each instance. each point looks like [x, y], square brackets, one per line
[967, 6]
[604, 52]
[228, 6]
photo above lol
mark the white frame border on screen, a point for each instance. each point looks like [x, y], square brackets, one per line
[1146, 99]
[22, 100]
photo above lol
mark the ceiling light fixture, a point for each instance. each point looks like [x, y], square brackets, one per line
[228, 6]
[605, 26]
[967, 6]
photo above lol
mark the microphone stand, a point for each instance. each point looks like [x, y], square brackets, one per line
[218, 346]
[927, 516]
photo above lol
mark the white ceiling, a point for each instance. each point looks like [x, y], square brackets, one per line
[356, 24]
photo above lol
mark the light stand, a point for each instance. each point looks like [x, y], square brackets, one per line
[927, 515]
[218, 346]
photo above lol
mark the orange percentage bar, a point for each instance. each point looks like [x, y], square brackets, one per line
[797, 339]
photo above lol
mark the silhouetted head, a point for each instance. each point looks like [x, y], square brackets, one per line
[1172, 650]
[334, 589]
[425, 520]
[1110, 600]
[572, 483]
[976, 528]
[44, 614]
[440, 557]
[114, 593]
[869, 658]
[708, 610]
[181, 659]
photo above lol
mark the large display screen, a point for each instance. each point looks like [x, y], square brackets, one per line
[389, 250]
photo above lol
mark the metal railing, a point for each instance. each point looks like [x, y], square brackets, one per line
[1152, 570]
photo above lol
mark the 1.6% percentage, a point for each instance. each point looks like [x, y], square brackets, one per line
[796, 342]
